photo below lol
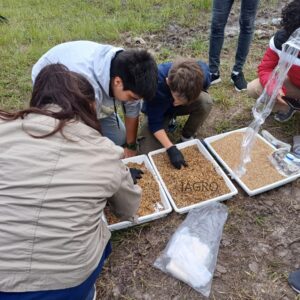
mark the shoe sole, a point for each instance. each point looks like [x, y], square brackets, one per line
[95, 292]
[282, 121]
[238, 90]
[95, 295]
[215, 81]
[296, 290]
[285, 120]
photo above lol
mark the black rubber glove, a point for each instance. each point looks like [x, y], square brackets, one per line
[176, 157]
[135, 174]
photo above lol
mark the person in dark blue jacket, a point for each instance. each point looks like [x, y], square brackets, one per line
[182, 90]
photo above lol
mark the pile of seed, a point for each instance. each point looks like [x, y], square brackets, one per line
[110, 217]
[260, 171]
[150, 201]
[195, 183]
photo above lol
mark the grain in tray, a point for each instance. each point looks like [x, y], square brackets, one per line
[150, 201]
[260, 171]
[193, 184]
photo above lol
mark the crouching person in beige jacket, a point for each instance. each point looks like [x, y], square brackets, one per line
[56, 175]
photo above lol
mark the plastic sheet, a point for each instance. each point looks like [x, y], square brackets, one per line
[274, 141]
[286, 163]
[191, 254]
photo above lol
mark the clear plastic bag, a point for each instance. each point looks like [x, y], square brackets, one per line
[282, 159]
[191, 254]
[275, 142]
[285, 162]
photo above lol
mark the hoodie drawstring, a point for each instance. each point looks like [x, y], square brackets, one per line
[116, 114]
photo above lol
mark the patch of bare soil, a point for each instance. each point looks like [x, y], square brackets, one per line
[261, 239]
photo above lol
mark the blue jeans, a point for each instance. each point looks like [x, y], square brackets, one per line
[84, 291]
[220, 13]
[109, 128]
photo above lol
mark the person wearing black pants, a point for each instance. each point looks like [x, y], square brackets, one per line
[220, 13]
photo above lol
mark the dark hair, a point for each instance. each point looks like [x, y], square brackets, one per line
[291, 17]
[185, 78]
[55, 84]
[138, 71]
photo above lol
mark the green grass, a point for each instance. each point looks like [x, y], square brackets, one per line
[260, 220]
[36, 25]
[165, 54]
[224, 94]
[198, 47]
[223, 126]
[291, 127]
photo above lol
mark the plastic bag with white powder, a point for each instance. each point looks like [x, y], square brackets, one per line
[191, 254]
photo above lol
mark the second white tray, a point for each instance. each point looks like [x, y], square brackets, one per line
[232, 188]
[250, 192]
[163, 198]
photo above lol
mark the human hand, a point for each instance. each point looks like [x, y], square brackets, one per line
[176, 157]
[129, 152]
[279, 99]
[135, 174]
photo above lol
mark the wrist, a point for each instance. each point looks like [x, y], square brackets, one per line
[168, 145]
[163, 138]
[131, 146]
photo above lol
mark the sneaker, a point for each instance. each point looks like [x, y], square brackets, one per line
[239, 81]
[172, 125]
[284, 116]
[215, 78]
[184, 139]
[294, 281]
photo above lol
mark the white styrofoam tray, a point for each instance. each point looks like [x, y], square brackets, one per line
[250, 192]
[163, 198]
[202, 149]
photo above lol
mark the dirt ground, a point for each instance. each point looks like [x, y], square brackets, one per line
[261, 239]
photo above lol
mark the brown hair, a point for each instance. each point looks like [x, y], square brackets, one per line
[55, 84]
[290, 17]
[186, 79]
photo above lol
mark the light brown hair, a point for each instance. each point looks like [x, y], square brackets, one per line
[186, 79]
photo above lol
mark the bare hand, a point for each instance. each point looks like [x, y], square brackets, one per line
[129, 153]
[279, 99]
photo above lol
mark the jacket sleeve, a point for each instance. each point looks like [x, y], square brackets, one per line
[125, 202]
[206, 75]
[266, 67]
[155, 113]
